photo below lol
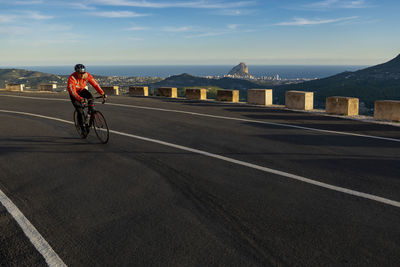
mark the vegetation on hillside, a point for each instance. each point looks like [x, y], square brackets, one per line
[380, 82]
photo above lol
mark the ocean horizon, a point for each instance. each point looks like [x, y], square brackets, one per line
[284, 71]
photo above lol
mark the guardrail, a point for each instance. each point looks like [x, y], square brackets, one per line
[387, 110]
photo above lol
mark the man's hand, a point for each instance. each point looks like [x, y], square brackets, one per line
[83, 101]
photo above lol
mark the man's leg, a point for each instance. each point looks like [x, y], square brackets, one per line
[78, 108]
[86, 94]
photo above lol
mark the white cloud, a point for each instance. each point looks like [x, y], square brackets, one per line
[37, 2]
[23, 16]
[81, 6]
[307, 22]
[7, 18]
[117, 14]
[37, 16]
[234, 12]
[136, 28]
[177, 29]
[207, 34]
[135, 38]
[14, 30]
[192, 4]
[233, 26]
[343, 4]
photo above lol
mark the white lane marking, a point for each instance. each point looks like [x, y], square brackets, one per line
[50, 256]
[231, 118]
[242, 163]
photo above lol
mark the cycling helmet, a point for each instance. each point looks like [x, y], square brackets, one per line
[80, 68]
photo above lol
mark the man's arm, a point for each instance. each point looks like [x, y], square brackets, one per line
[95, 84]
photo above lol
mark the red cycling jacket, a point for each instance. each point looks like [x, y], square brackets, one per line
[76, 85]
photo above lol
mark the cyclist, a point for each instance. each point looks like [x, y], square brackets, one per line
[78, 91]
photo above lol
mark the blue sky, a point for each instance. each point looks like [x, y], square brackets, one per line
[135, 32]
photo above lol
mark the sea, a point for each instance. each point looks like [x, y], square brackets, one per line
[284, 71]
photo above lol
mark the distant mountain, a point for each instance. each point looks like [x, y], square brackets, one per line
[29, 78]
[380, 82]
[187, 80]
[240, 71]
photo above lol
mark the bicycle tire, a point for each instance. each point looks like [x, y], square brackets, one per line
[100, 127]
[78, 127]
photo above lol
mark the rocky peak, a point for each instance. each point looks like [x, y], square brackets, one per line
[240, 71]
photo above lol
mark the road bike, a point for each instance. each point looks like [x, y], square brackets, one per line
[95, 120]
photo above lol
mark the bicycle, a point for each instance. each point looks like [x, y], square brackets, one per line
[95, 120]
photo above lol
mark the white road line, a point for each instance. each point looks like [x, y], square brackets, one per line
[51, 257]
[242, 163]
[231, 118]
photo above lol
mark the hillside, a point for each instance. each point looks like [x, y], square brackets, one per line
[29, 78]
[186, 80]
[380, 82]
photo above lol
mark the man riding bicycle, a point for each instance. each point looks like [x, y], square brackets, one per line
[79, 93]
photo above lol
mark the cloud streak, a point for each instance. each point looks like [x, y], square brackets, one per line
[117, 14]
[338, 4]
[192, 4]
[309, 22]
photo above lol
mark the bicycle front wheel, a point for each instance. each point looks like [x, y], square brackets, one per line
[100, 127]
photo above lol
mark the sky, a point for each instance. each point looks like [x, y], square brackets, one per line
[198, 32]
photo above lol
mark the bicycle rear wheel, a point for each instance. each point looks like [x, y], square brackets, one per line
[100, 127]
[85, 132]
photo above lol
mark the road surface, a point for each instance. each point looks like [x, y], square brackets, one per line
[197, 183]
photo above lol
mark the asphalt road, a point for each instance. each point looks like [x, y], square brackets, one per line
[138, 203]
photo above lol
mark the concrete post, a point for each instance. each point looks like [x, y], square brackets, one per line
[47, 87]
[15, 87]
[387, 110]
[340, 105]
[299, 100]
[259, 97]
[110, 90]
[168, 92]
[196, 93]
[139, 91]
[228, 95]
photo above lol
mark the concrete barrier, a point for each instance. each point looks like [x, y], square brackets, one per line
[196, 93]
[47, 87]
[341, 105]
[15, 87]
[168, 92]
[228, 95]
[110, 90]
[139, 91]
[387, 110]
[299, 100]
[259, 97]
